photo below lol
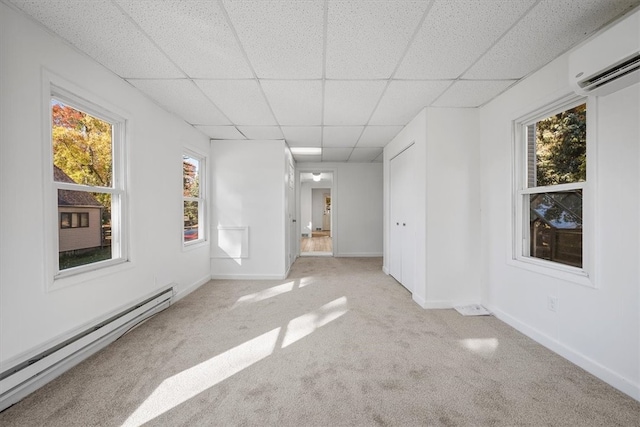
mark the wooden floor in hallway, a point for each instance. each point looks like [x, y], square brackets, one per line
[316, 244]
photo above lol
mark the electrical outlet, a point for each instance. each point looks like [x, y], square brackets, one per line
[552, 303]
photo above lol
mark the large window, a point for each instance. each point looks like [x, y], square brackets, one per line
[88, 180]
[552, 176]
[193, 199]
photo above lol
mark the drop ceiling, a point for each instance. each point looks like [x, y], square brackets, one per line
[342, 75]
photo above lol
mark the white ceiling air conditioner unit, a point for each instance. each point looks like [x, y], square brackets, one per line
[608, 62]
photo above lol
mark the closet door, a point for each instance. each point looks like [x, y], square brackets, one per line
[402, 239]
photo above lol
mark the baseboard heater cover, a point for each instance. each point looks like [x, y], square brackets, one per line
[29, 375]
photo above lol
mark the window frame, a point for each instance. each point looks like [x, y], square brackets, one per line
[77, 98]
[201, 199]
[520, 242]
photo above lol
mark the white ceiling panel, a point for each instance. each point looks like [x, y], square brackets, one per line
[283, 39]
[261, 132]
[351, 102]
[295, 102]
[195, 34]
[336, 154]
[341, 136]
[307, 159]
[443, 49]
[240, 100]
[403, 99]
[472, 93]
[220, 132]
[365, 154]
[366, 39]
[183, 98]
[551, 28]
[378, 136]
[303, 136]
[105, 34]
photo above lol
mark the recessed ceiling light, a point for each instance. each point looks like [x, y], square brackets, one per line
[306, 151]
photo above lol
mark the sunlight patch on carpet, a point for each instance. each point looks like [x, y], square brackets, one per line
[265, 294]
[183, 386]
[480, 346]
[306, 324]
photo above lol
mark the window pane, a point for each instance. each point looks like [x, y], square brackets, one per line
[82, 147]
[556, 148]
[191, 228]
[89, 240]
[190, 177]
[65, 220]
[556, 227]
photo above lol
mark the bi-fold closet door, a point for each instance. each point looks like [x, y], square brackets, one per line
[402, 218]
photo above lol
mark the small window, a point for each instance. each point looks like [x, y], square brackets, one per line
[193, 199]
[550, 195]
[88, 180]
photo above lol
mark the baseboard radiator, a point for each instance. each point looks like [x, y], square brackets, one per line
[26, 376]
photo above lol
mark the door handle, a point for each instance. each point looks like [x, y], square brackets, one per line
[397, 223]
[403, 224]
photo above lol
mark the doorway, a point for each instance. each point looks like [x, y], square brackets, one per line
[316, 214]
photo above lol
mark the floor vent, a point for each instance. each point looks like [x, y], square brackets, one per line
[28, 375]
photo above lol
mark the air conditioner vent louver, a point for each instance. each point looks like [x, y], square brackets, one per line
[609, 61]
[619, 70]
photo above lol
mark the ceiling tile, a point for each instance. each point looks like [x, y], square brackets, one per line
[341, 136]
[105, 34]
[443, 49]
[303, 136]
[213, 50]
[220, 132]
[336, 154]
[366, 39]
[404, 99]
[295, 102]
[283, 39]
[183, 98]
[307, 159]
[378, 136]
[365, 154]
[543, 35]
[240, 100]
[350, 102]
[261, 132]
[472, 93]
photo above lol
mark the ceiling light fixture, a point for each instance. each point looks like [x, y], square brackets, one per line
[306, 151]
[317, 176]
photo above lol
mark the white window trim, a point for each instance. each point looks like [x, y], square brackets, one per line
[77, 97]
[202, 201]
[584, 275]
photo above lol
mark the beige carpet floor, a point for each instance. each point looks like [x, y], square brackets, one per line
[338, 343]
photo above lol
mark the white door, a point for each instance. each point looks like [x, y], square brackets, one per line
[401, 227]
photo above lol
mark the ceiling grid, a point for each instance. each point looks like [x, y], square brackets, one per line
[343, 75]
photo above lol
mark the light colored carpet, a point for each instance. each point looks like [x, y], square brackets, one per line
[337, 343]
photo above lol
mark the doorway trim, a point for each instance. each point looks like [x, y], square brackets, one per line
[335, 207]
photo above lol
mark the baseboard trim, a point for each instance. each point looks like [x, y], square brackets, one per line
[190, 288]
[359, 255]
[248, 277]
[615, 380]
[385, 270]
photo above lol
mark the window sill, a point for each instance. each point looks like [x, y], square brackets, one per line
[555, 270]
[71, 278]
[196, 244]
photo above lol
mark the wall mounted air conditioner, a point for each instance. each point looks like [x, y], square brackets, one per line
[608, 62]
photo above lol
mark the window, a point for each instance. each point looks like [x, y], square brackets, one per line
[89, 183]
[552, 173]
[74, 220]
[193, 201]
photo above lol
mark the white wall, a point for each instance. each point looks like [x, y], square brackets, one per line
[356, 204]
[248, 190]
[446, 192]
[317, 206]
[306, 205]
[31, 313]
[596, 327]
